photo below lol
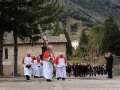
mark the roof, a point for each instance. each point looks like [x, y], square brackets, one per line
[8, 39]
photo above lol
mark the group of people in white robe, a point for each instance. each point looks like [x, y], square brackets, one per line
[34, 66]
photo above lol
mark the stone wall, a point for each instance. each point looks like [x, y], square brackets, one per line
[116, 69]
[116, 65]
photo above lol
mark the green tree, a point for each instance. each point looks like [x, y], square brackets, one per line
[38, 13]
[4, 27]
[111, 40]
[57, 30]
[25, 17]
[96, 35]
[69, 48]
[83, 44]
[68, 44]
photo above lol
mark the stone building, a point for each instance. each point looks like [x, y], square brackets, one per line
[116, 65]
[57, 42]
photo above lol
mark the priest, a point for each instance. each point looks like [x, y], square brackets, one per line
[27, 61]
[60, 63]
[48, 65]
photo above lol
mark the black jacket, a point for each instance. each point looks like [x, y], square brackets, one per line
[109, 63]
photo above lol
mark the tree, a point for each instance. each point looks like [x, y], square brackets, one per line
[68, 44]
[83, 44]
[69, 47]
[4, 27]
[45, 13]
[111, 40]
[57, 30]
[74, 27]
[25, 17]
[1, 52]
[96, 35]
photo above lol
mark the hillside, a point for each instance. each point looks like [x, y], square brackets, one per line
[93, 10]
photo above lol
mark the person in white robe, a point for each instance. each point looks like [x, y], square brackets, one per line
[27, 61]
[35, 67]
[41, 69]
[60, 67]
[40, 66]
[47, 65]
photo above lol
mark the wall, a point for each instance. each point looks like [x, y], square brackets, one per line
[8, 63]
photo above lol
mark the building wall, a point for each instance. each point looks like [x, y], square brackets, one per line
[8, 63]
[22, 51]
[116, 69]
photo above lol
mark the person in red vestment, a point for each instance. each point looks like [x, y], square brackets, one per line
[48, 64]
[60, 62]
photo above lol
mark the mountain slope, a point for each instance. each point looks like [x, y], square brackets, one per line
[95, 10]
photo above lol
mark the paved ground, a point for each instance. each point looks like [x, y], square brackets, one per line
[69, 84]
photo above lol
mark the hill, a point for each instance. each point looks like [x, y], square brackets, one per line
[93, 10]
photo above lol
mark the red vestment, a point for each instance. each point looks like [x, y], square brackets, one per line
[46, 55]
[57, 60]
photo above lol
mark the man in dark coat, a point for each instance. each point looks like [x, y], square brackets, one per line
[69, 69]
[109, 64]
[75, 70]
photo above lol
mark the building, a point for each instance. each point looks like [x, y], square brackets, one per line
[116, 65]
[57, 42]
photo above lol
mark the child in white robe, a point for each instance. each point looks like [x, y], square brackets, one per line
[35, 66]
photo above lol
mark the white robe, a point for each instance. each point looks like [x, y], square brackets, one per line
[61, 68]
[35, 68]
[41, 69]
[27, 61]
[47, 70]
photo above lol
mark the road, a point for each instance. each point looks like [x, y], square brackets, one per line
[68, 84]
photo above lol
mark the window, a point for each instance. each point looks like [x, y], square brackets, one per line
[6, 53]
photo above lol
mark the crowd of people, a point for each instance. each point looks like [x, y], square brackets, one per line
[47, 65]
[83, 70]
